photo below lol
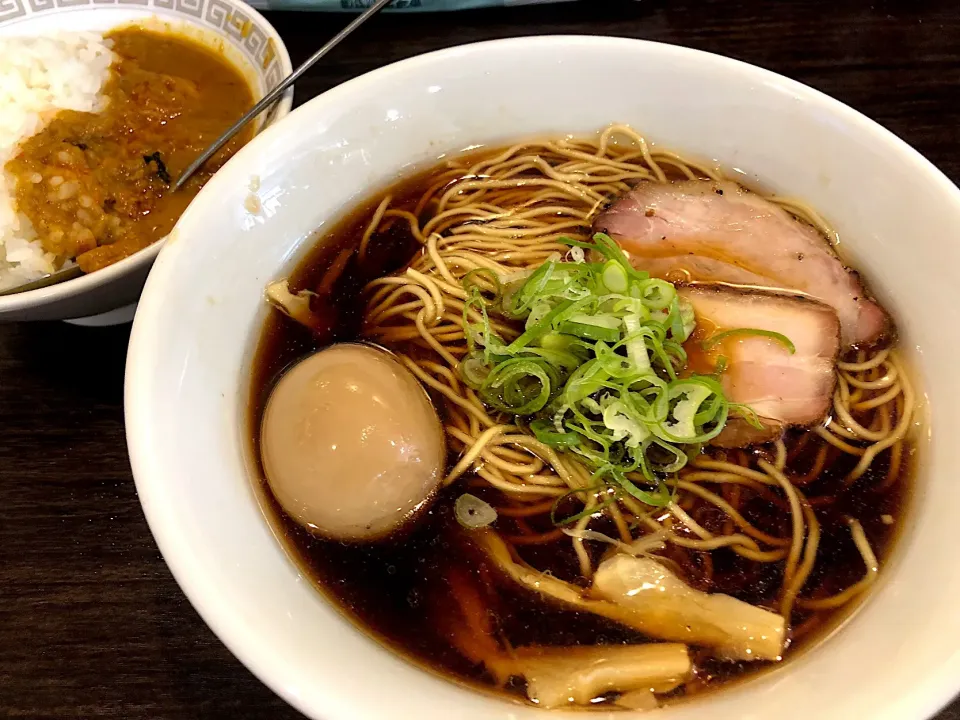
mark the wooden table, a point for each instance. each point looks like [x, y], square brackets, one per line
[91, 621]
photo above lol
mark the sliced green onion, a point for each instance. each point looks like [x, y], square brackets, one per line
[546, 433]
[676, 320]
[538, 312]
[520, 386]
[590, 331]
[469, 283]
[595, 370]
[473, 513]
[659, 497]
[676, 350]
[607, 246]
[748, 414]
[484, 332]
[564, 362]
[657, 294]
[687, 318]
[636, 347]
[672, 459]
[779, 337]
[710, 410]
[585, 380]
[624, 424]
[524, 297]
[615, 365]
[474, 370]
[614, 277]
[539, 329]
[695, 390]
[587, 510]
[689, 396]
[610, 322]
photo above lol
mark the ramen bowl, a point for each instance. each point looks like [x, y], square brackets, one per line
[202, 311]
[231, 28]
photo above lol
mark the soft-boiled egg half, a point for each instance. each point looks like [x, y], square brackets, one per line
[351, 445]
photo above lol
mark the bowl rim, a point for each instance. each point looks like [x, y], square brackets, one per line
[206, 596]
[144, 257]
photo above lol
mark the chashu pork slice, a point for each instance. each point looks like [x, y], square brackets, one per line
[705, 231]
[782, 388]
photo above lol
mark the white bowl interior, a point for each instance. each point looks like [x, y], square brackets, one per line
[202, 309]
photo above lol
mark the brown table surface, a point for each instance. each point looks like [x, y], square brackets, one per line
[91, 622]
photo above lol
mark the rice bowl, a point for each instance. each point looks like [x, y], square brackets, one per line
[261, 56]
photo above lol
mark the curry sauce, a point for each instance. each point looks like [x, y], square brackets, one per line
[97, 187]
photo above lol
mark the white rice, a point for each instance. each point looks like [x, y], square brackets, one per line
[38, 77]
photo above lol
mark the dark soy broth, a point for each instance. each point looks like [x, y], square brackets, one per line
[398, 588]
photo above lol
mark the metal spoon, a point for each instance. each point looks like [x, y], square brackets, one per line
[267, 101]
[274, 94]
[52, 279]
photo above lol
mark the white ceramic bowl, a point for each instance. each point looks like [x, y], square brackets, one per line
[202, 310]
[246, 39]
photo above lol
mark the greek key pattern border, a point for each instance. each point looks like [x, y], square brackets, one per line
[247, 33]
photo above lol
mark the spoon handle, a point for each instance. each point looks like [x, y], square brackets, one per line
[52, 279]
[277, 91]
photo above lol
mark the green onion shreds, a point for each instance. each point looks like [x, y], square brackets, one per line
[473, 513]
[778, 337]
[598, 369]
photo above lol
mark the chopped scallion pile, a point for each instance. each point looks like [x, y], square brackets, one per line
[596, 370]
